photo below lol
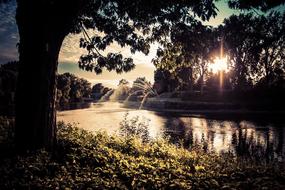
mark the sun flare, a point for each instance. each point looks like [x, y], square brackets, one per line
[219, 64]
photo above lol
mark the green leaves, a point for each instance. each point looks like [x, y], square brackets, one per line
[133, 127]
[6, 131]
[96, 62]
[84, 160]
[255, 46]
[262, 5]
[71, 89]
[133, 24]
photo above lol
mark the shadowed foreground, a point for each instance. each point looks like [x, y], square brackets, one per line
[84, 160]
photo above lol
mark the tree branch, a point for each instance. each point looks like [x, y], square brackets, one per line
[87, 37]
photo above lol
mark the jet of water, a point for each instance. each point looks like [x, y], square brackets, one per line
[142, 87]
[106, 96]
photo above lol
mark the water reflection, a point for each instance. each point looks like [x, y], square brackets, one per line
[107, 117]
[243, 138]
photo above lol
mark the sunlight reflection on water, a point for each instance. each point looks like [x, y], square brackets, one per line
[240, 137]
[107, 117]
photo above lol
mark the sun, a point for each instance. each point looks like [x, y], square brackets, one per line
[219, 64]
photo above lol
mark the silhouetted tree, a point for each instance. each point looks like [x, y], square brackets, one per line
[98, 90]
[164, 81]
[240, 42]
[8, 78]
[271, 34]
[188, 53]
[255, 45]
[63, 89]
[261, 5]
[72, 89]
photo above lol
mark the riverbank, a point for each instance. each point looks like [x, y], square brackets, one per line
[84, 160]
[236, 110]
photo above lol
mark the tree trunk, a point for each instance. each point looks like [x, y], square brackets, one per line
[35, 97]
[36, 87]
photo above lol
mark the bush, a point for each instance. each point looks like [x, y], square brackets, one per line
[134, 128]
[6, 131]
[83, 160]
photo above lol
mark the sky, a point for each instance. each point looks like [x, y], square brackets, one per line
[70, 51]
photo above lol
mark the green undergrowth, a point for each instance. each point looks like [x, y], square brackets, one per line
[84, 160]
[6, 132]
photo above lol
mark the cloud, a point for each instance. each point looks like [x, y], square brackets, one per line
[105, 82]
[70, 51]
[109, 79]
[8, 32]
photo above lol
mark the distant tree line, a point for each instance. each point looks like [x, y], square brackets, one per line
[8, 79]
[98, 91]
[124, 90]
[70, 88]
[255, 49]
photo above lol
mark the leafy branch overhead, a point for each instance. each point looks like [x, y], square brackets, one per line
[135, 24]
[261, 5]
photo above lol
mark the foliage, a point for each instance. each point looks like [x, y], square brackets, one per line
[262, 5]
[134, 128]
[98, 90]
[83, 160]
[164, 81]
[136, 25]
[8, 78]
[72, 89]
[255, 47]
[188, 53]
[128, 23]
[271, 48]
[6, 131]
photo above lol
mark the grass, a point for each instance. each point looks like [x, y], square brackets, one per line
[83, 160]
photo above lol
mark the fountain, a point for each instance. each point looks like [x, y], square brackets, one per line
[120, 93]
[106, 96]
[142, 87]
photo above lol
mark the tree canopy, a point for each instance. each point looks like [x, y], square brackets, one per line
[254, 46]
[262, 5]
[72, 89]
[133, 24]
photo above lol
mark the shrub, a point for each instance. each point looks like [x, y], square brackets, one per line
[84, 160]
[134, 127]
[6, 130]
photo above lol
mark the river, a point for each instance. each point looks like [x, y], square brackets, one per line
[258, 138]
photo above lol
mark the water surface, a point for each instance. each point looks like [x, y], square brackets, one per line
[257, 138]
